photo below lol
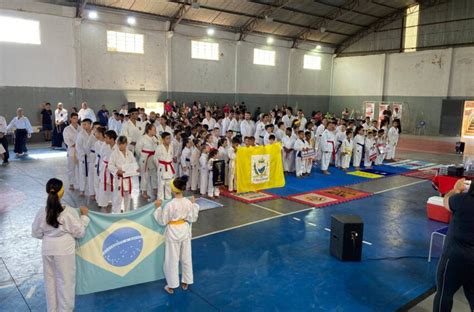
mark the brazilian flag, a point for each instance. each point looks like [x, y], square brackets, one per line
[120, 250]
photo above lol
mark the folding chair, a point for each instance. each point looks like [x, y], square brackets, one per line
[439, 232]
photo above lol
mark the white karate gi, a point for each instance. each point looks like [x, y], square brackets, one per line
[59, 256]
[122, 186]
[225, 125]
[211, 189]
[259, 132]
[98, 164]
[234, 125]
[288, 120]
[346, 153]
[177, 239]
[300, 163]
[328, 148]
[177, 149]
[195, 168]
[106, 179]
[82, 153]
[231, 154]
[92, 165]
[370, 151]
[133, 132]
[185, 164]
[359, 145]
[381, 144]
[288, 156]
[340, 137]
[145, 148]
[87, 113]
[223, 155]
[392, 141]
[70, 136]
[203, 173]
[247, 128]
[211, 123]
[166, 170]
[319, 132]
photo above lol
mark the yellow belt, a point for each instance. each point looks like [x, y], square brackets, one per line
[181, 221]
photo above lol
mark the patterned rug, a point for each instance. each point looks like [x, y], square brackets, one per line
[327, 197]
[428, 174]
[249, 197]
[414, 164]
[365, 174]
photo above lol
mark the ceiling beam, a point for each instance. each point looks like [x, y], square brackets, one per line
[353, 11]
[266, 12]
[295, 10]
[384, 21]
[317, 24]
[178, 16]
[80, 5]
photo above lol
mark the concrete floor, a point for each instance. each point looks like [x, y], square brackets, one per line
[22, 193]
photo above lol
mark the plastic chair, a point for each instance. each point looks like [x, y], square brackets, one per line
[439, 232]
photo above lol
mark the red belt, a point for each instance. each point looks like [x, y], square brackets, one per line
[149, 153]
[333, 149]
[129, 185]
[105, 177]
[167, 164]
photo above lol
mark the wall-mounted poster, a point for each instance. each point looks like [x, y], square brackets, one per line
[157, 107]
[369, 109]
[468, 119]
[382, 106]
[397, 110]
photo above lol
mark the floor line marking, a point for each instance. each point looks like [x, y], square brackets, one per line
[367, 243]
[268, 209]
[253, 222]
[399, 187]
[311, 224]
[297, 219]
[31, 292]
[326, 229]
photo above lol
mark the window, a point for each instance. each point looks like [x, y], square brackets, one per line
[19, 30]
[263, 57]
[124, 42]
[204, 50]
[312, 62]
[411, 28]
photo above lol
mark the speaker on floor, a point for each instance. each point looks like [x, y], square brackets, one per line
[346, 237]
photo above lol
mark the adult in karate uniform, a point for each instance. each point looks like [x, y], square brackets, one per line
[247, 126]
[60, 122]
[70, 134]
[328, 147]
[58, 226]
[177, 215]
[164, 162]
[133, 129]
[145, 148]
[86, 112]
[288, 118]
[23, 130]
[121, 156]
[209, 121]
[82, 153]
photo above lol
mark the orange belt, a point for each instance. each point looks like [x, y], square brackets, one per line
[180, 221]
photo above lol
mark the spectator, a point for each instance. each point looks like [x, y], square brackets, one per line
[23, 130]
[103, 115]
[46, 121]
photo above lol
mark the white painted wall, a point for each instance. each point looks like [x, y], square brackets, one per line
[424, 73]
[358, 75]
[50, 64]
[306, 81]
[462, 77]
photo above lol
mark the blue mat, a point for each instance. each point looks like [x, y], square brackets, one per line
[316, 181]
[378, 171]
[390, 169]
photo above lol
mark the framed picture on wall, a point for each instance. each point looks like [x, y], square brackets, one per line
[382, 106]
[468, 119]
[369, 108]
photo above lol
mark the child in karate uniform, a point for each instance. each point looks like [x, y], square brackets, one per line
[232, 154]
[120, 157]
[381, 147]
[177, 215]
[82, 153]
[370, 149]
[309, 160]
[195, 155]
[212, 191]
[300, 146]
[328, 147]
[98, 145]
[106, 179]
[359, 145]
[70, 137]
[145, 149]
[392, 141]
[164, 161]
[92, 158]
[58, 226]
[223, 155]
[203, 169]
[177, 142]
[346, 150]
[186, 160]
[340, 137]
[288, 153]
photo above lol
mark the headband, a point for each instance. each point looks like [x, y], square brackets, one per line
[174, 189]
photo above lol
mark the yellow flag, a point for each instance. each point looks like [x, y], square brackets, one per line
[259, 168]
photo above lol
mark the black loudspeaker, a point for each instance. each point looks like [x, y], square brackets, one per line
[346, 237]
[460, 147]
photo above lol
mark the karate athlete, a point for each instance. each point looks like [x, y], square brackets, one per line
[288, 151]
[232, 155]
[288, 118]
[163, 127]
[120, 157]
[177, 215]
[234, 124]
[392, 141]
[203, 169]
[317, 135]
[82, 153]
[346, 151]
[247, 126]
[70, 134]
[58, 226]
[209, 121]
[106, 178]
[370, 149]
[92, 161]
[185, 160]
[260, 128]
[212, 191]
[133, 129]
[99, 144]
[340, 137]
[381, 144]
[195, 167]
[328, 147]
[301, 145]
[164, 163]
[177, 142]
[145, 148]
[222, 154]
[359, 145]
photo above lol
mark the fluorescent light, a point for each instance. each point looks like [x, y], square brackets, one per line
[270, 40]
[131, 20]
[210, 31]
[93, 15]
[318, 47]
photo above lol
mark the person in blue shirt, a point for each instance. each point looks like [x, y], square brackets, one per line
[103, 116]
